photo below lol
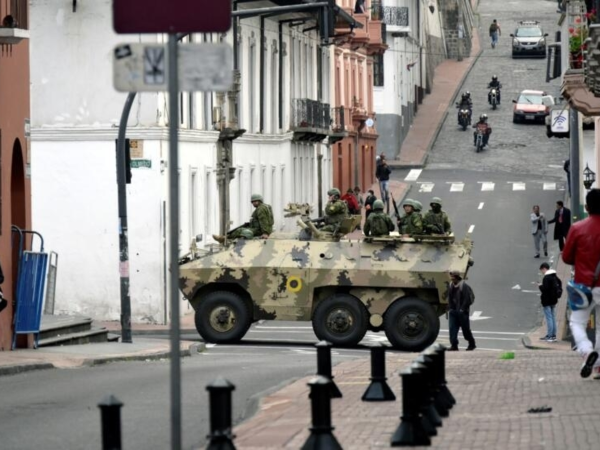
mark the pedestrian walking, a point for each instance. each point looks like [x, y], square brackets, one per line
[539, 230]
[562, 223]
[582, 249]
[495, 31]
[460, 298]
[383, 176]
[551, 291]
[3, 302]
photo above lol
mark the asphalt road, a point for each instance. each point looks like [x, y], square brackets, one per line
[490, 193]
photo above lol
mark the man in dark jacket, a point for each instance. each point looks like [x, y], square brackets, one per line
[383, 175]
[549, 288]
[369, 201]
[460, 298]
[562, 223]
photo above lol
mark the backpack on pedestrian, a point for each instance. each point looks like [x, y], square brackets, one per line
[558, 289]
[493, 28]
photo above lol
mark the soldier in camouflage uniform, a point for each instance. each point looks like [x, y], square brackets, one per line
[378, 223]
[336, 210]
[411, 223]
[436, 221]
[261, 222]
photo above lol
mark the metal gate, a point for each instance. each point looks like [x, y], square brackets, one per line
[31, 283]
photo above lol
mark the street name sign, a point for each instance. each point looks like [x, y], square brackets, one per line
[171, 16]
[201, 67]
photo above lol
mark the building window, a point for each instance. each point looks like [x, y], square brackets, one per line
[378, 70]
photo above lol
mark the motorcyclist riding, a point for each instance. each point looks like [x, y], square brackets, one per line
[484, 127]
[465, 103]
[495, 83]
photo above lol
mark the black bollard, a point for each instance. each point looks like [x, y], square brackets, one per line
[411, 431]
[110, 416]
[441, 350]
[321, 436]
[324, 366]
[220, 437]
[440, 401]
[430, 411]
[378, 390]
[422, 396]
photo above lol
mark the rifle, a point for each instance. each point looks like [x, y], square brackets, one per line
[244, 225]
[395, 206]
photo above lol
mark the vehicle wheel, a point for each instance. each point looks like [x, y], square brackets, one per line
[222, 317]
[464, 127]
[494, 104]
[411, 324]
[340, 319]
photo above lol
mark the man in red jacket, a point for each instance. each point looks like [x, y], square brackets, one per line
[351, 201]
[582, 249]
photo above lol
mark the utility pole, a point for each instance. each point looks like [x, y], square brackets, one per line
[228, 133]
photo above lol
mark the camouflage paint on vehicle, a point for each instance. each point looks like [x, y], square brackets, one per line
[285, 279]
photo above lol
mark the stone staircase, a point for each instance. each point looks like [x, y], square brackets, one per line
[71, 330]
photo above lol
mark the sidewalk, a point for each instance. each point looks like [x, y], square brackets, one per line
[491, 410]
[448, 78]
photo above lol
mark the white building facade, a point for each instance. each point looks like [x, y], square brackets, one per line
[404, 73]
[75, 117]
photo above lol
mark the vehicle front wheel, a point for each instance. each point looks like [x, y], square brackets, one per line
[222, 317]
[340, 319]
[411, 324]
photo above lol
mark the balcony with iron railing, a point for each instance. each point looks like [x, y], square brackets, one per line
[394, 17]
[14, 21]
[311, 120]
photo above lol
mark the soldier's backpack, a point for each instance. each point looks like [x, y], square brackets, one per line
[379, 225]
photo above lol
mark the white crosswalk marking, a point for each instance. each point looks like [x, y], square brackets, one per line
[518, 186]
[413, 175]
[487, 185]
[480, 205]
[549, 186]
[426, 187]
[457, 187]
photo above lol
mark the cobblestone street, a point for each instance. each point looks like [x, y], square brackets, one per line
[514, 148]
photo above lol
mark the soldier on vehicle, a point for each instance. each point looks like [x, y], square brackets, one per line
[436, 220]
[336, 210]
[261, 222]
[410, 223]
[378, 223]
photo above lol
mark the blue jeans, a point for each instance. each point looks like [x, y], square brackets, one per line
[550, 321]
[385, 192]
[494, 36]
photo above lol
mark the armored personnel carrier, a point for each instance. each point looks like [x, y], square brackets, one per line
[344, 286]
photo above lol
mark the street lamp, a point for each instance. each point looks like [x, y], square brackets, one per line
[588, 177]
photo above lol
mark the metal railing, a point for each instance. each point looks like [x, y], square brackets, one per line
[13, 14]
[307, 113]
[338, 119]
[390, 15]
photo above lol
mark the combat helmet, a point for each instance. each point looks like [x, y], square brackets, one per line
[436, 200]
[334, 191]
[256, 198]
[409, 202]
[377, 204]
[418, 205]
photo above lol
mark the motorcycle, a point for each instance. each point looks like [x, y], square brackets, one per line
[493, 97]
[479, 141]
[463, 118]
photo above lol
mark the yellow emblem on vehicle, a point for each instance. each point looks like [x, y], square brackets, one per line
[294, 284]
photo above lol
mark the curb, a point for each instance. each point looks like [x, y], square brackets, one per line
[14, 370]
[526, 341]
[193, 349]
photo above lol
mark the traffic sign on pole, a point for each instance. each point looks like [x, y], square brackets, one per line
[171, 16]
[202, 67]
